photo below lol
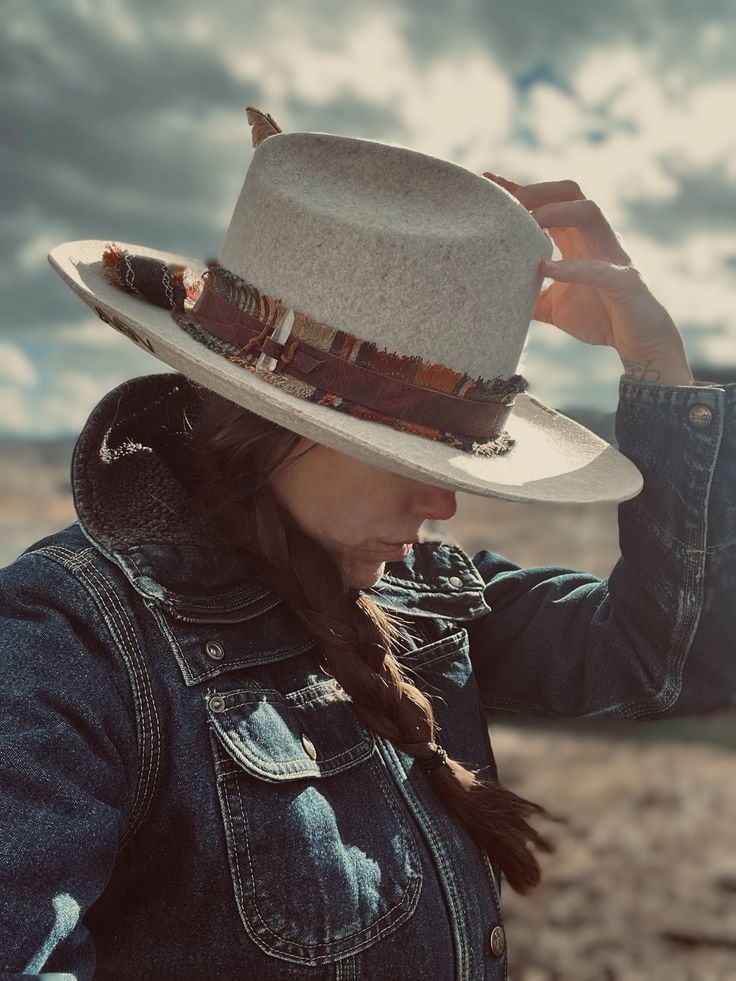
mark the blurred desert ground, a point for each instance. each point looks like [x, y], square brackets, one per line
[643, 884]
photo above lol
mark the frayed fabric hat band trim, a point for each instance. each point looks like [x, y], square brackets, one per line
[322, 364]
[345, 367]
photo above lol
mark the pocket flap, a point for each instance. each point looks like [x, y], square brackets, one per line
[313, 732]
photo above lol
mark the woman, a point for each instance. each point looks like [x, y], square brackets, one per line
[242, 700]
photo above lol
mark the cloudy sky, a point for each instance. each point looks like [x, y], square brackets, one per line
[125, 120]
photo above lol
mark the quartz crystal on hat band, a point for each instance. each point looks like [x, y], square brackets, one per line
[322, 363]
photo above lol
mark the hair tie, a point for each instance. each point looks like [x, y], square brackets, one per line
[438, 758]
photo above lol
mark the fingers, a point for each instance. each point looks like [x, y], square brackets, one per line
[619, 282]
[562, 204]
[588, 218]
[545, 192]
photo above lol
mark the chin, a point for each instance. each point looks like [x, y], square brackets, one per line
[366, 577]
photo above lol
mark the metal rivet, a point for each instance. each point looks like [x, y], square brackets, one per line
[214, 650]
[217, 703]
[497, 940]
[309, 747]
[700, 415]
[455, 581]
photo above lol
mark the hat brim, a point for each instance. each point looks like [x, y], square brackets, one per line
[555, 459]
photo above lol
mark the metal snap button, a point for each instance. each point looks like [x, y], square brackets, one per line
[700, 415]
[217, 703]
[455, 581]
[497, 941]
[309, 747]
[214, 650]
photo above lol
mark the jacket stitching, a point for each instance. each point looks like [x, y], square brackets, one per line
[81, 563]
[319, 691]
[140, 695]
[345, 970]
[248, 662]
[497, 904]
[446, 872]
[251, 662]
[695, 576]
[313, 766]
[234, 850]
[150, 763]
[240, 599]
[73, 563]
[195, 675]
[436, 586]
[438, 649]
[688, 549]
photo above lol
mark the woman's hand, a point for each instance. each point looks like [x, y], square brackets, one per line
[598, 295]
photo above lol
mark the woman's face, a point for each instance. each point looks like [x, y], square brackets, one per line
[363, 515]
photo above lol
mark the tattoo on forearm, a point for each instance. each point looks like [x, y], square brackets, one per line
[641, 370]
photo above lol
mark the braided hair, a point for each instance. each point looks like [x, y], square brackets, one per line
[231, 455]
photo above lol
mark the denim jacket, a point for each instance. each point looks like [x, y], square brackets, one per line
[186, 794]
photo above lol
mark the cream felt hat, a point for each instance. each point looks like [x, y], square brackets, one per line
[374, 299]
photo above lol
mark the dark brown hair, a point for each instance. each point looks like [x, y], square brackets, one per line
[232, 454]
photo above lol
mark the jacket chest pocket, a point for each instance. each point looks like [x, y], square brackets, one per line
[323, 859]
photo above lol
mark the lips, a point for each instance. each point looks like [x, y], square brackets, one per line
[398, 550]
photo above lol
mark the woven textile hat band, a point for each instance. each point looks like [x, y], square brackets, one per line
[321, 363]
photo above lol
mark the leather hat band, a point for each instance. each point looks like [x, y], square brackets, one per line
[362, 384]
[323, 364]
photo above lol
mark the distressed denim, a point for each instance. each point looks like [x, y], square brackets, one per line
[186, 794]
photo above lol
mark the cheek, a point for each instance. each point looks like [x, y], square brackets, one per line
[352, 513]
[326, 511]
[350, 520]
[341, 501]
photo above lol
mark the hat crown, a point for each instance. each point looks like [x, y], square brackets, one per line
[416, 254]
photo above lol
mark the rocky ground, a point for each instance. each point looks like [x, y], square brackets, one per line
[643, 885]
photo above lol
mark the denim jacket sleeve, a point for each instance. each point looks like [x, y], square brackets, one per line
[67, 758]
[657, 637]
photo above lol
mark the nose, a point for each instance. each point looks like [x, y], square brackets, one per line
[433, 503]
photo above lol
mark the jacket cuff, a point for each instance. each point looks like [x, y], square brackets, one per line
[683, 439]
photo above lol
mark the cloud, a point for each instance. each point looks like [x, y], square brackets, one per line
[699, 199]
[563, 371]
[687, 41]
[51, 383]
[456, 107]
[15, 413]
[114, 133]
[15, 366]
[124, 121]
